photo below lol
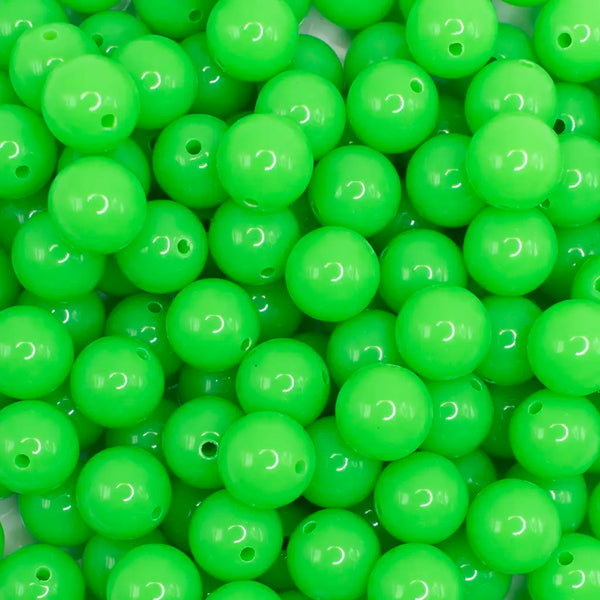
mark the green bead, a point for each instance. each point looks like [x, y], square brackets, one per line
[354, 14]
[28, 153]
[265, 161]
[266, 459]
[112, 29]
[90, 103]
[411, 570]
[113, 282]
[164, 76]
[513, 526]
[153, 569]
[15, 213]
[506, 362]
[355, 187]
[195, 383]
[331, 554]
[88, 6]
[316, 56]
[594, 511]
[192, 438]
[393, 106]
[514, 161]
[169, 252]
[384, 412]
[451, 117]
[41, 570]
[7, 93]
[36, 351]
[9, 284]
[478, 581]
[564, 348]
[443, 332]
[212, 323]
[555, 435]
[513, 43]
[337, 266]
[578, 110]
[477, 470]
[250, 246]
[566, 38]
[231, 540]
[244, 590]
[123, 493]
[462, 416]
[586, 283]
[366, 510]
[177, 21]
[452, 39]
[252, 40]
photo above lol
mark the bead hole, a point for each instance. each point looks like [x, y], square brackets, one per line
[267, 272]
[142, 353]
[248, 554]
[286, 541]
[545, 203]
[98, 39]
[309, 527]
[108, 121]
[22, 461]
[535, 408]
[476, 385]
[193, 147]
[22, 171]
[597, 285]
[49, 35]
[416, 85]
[564, 40]
[209, 450]
[456, 49]
[183, 246]
[156, 513]
[195, 16]
[565, 558]
[245, 345]
[300, 467]
[559, 126]
[42, 574]
[154, 307]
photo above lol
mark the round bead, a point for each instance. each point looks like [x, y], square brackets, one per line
[177, 21]
[586, 283]
[384, 412]
[7, 93]
[266, 459]
[212, 323]
[451, 117]
[477, 471]
[354, 14]
[244, 590]
[594, 511]
[113, 282]
[513, 526]
[513, 43]
[15, 213]
[9, 284]
[393, 106]
[578, 110]
[123, 493]
[316, 56]
[443, 332]
[195, 383]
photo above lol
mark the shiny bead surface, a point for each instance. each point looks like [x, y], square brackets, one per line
[513, 43]
[586, 283]
[477, 470]
[9, 284]
[244, 590]
[184, 18]
[578, 110]
[15, 213]
[354, 14]
[316, 56]
[195, 383]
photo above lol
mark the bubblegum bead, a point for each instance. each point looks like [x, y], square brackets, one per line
[36, 351]
[354, 14]
[513, 526]
[564, 347]
[514, 161]
[7, 93]
[513, 43]
[15, 213]
[233, 541]
[393, 106]
[594, 511]
[451, 117]
[212, 323]
[252, 40]
[265, 161]
[177, 21]
[164, 76]
[355, 187]
[452, 39]
[578, 110]
[477, 471]
[586, 283]
[316, 56]
[123, 493]
[31, 460]
[266, 459]
[90, 103]
[88, 6]
[244, 590]
[384, 412]
[9, 284]
[443, 332]
[113, 282]
[195, 383]
[336, 265]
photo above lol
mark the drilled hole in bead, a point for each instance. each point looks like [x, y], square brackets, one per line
[476, 385]
[108, 121]
[286, 541]
[535, 408]
[209, 450]
[248, 554]
[309, 527]
[142, 353]
[157, 513]
[564, 40]
[245, 345]
[300, 467]
[22, 461]
[597, 285]
[49, 35]
[42, 574]
[416, 85]
[22, 171]
[456, 48]
[545, 203]
[193, 147]
[267, 272]
[154, 307]
[559, 126]
[98, 39]
[565, 558]
[195, 16]
[183, 246]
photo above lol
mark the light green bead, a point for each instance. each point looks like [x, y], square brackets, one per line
[174, 21]
[354, 14]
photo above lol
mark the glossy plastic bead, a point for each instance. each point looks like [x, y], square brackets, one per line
[513, 526]
[90, 103]
[113, 282]
[266, 459]
[36, 350]
[15, 213]
[316, 56]
[443, 332]
[164, 76]
[513, 43]
[337, 266]
[594, 511]
[477, 471]
[393, 106]
[212, 323]
[195, 383]
[177, 21]
[123, 493]
[564, 347]
[9, 284]
[113, 28]
[231, 540]
[451, 117]
[169, 252]
[586, 283]
[514, 161]
[578, 110]
[244, 590]
[7, 93]
[353, 14]
[452, 39]
[252, 41]
[384, 412]
[265, 161]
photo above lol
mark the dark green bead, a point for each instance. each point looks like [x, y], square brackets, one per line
[477, 470]
[451, 117]
[366, 510]
[354, 14]
[316, 56]
[9, 284]
[113, 282]
[7, 93]
[586, 283]
[578, 110]
[513, 43]
[244, 590]
[177, 21]
[15, 213]
[195, 383]
[111, 29]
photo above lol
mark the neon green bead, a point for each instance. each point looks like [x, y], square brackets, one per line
[413, 569]
[164, 76]
[231, 540]
[354, 14]
[443, 332]
[244, 590]
[15, 213]
[7, 93]
[300, 8]
[112, 29]
[169, 252]
[355, 187]
[578, 110]
[513, 43]
[117, 382]
[252, 246]
[266, 459]
[252, 40]
[514, 161]
[41, 569]
[88, 6]
[564, 348]
[393, 106]
[195, 383]
[451, 117]
[316, 56]
[331, 554]
[452, 39]
[123, 493]
[212, 323]
[366, 510]
[113, 282]
[477, 471]
[265, 161]
[586, 283]
[594, 511]
[384, 412]
[180, 20]
[90, 103]
[9, 284]
[336, 265]
[513, 526]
